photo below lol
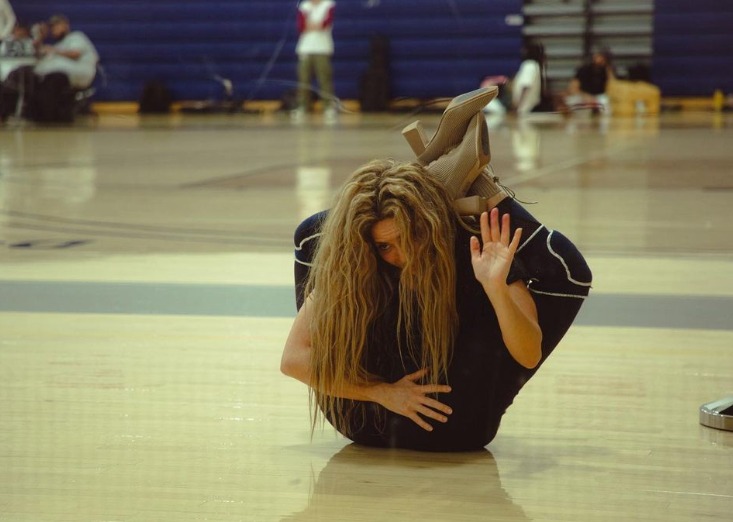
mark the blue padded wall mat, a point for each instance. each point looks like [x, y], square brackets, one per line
[692, 43]
[438, 47]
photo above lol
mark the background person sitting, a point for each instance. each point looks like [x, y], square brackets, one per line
[589, 84]
[18, 44]
[69, 64]
[526, 90]
[17, 52]
[529, 90]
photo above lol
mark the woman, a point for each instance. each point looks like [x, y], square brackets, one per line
[528, 87]
[413, 333]
[7, 19]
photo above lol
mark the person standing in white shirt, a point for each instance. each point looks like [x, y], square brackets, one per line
[7, 19]
[314, 49]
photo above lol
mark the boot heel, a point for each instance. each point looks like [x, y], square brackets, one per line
[455, 120]
[415, 136]
[459, 168]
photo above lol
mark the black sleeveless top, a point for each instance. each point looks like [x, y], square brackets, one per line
[482, 374]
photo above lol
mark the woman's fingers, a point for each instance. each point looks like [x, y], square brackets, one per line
[426, 410]
[417, 375]
[435, 388]
[436, 405]
[493, 229]
[490, 230]
[431, 408]
[494, 223]
[420, 422]
[505, 229]
[515, 240]
[485, 231]
[417, 405]
[475, 247]
[431, 414]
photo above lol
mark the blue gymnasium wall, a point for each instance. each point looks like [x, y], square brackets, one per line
[692, 47]
[438, 47]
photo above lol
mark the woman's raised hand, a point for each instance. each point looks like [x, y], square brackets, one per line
[491, 263]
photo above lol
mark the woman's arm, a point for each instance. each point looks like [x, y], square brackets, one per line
[517, 316]
[513, 304]
[404, 397]
[296, 359]
[68, 53]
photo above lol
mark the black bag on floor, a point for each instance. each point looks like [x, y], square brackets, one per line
[156, 98]
[374, 91]
[53, 100]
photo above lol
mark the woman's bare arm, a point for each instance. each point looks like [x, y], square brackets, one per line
[404, 397]
[518, 321]
[296, 359]
[513, 304]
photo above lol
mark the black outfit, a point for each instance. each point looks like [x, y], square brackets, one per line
[53, 100]
[47, 99]
[482, 374]
[20, 80]
[592, 79]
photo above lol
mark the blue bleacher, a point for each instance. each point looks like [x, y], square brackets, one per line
[438, 47]
[692, 43]
[253, 43]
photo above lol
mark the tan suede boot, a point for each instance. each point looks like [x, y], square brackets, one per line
[459, 153]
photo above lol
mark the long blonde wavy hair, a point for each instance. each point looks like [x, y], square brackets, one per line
[348, 290]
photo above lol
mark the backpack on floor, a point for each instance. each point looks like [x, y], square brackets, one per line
[156, 98]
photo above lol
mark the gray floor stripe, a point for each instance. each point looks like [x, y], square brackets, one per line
[147, 298]
[691, 312]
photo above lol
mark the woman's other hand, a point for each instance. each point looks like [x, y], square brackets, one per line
[408, 398]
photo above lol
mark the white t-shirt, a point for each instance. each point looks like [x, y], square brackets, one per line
[528, 77]
[7, 19]
[81, 72]
[316, 41]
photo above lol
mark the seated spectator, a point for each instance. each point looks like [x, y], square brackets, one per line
[588, 87]
[19, 44]
[529, 82]
[597, 85]
[17, 52]
[69, 64]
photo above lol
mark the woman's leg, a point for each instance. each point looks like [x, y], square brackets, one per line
[324, 75]
[560, 278]
[18, 88]
[305, 67]
[306, 240]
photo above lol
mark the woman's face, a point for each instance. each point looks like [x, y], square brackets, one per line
[386, 239]
[59, 29]
[600, 60]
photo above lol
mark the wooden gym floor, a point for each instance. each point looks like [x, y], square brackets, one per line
[145, 295]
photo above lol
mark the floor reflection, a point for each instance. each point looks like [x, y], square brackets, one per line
[361, 483]
[526, 146]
